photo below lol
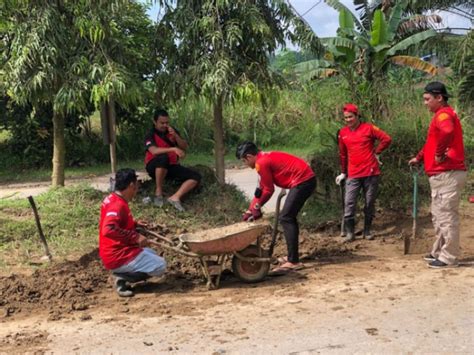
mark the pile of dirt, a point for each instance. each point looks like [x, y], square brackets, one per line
[75, 285]
[65, 286]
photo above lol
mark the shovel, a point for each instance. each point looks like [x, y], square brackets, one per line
[412, 243]
[343, 228]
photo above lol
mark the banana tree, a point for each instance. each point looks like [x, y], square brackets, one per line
[362, 52]
[367, 51]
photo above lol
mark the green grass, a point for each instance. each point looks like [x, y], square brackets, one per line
[44, 174]
[70, 216]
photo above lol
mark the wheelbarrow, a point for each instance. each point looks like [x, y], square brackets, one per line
[214, 247]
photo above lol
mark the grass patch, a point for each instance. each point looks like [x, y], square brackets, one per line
[70, 216]
[44, 174]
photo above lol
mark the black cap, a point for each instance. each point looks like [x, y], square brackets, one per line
[436, 88]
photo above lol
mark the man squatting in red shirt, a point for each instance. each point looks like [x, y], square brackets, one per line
[288, 172]
[443, 156]
[121, 247]
[361, 165]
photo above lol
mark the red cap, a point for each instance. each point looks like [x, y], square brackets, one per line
[350, 108]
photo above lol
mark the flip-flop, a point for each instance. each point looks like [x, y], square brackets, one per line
[283, 270]
[176, 204]
[282, 259]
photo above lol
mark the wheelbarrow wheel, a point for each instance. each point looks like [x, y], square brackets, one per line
[250, 271]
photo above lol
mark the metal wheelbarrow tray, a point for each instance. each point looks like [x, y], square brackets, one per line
[224, 240]
[213, 247]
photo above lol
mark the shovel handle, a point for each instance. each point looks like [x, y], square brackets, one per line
[275, 224]
[415, 171]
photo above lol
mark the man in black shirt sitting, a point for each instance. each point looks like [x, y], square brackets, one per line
[164, 147]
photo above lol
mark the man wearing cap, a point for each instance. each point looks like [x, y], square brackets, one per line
[360, 164]
[121, 247]
[288, 172]
[443, 157]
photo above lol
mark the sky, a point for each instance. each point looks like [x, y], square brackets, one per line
[324, 20]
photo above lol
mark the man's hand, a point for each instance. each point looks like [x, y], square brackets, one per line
[413, 161]
[340, 178]
[141, 224]
[179, 152]
[142, 241]
[171, 131]
[252, 215]
[377, 156]
[440, 158]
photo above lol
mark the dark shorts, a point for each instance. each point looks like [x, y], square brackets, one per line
[175, 172]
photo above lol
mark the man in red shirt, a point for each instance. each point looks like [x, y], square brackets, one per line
[164, 147]
[443, 156]
[121, 247]
[288, 172]
[359, 159]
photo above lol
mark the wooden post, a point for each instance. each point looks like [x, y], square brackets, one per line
[108, 120]
[40, 230]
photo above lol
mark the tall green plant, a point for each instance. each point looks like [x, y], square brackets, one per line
[213, 47]
[363, 51]
[68, 54]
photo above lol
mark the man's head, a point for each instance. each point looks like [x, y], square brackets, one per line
[351, 115]
[162, 120]
[126, 183]
[435, 96]
[247, 152]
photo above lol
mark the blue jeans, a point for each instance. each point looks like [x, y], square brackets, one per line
[147, 262]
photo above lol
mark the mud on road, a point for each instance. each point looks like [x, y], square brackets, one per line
[361, 297]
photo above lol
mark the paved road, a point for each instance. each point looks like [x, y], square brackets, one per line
[245, 179]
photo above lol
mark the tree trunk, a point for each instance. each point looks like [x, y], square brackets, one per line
[219, 149]
[59, 150]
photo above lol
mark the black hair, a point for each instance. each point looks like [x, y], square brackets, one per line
[437, 88]
[159, 112]
[123, 178]
[246, 148]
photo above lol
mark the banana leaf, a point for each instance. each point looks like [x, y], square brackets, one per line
[378, 35]
[414, 63]
[412, 40]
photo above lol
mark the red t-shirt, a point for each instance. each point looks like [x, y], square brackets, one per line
[158, 139]
[444, 138]
[281, 169]
[357, 151]
[118, 239]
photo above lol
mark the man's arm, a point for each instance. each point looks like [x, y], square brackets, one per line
[153, 149]
[112, 228]
[266, 184]
[445, 125]
[180, 142]
[384, 139]
[342, 153]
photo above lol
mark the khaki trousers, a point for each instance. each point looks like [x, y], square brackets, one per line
[445, 197]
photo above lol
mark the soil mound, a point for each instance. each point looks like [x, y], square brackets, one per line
[76, 285]
[68, 285]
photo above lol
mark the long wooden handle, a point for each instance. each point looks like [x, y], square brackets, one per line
[40, 230]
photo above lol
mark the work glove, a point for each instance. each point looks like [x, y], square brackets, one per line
[339, 178]
[252, 215]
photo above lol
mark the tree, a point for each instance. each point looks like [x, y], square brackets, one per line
[364, 49]
[67, 54]
[214, 47]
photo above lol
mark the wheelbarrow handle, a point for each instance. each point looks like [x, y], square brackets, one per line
[275, 224]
